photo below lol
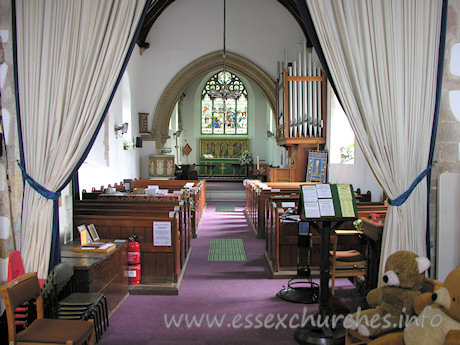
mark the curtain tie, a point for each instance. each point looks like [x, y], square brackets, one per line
[403, 197]
[38, 187]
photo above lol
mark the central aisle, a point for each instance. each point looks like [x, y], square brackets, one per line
[220, 302]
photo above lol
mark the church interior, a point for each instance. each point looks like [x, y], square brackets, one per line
[227, 171]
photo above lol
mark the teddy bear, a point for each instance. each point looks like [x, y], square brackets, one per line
[438, 320]
[392, 303]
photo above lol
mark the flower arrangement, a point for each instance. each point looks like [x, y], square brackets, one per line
[128, 145]
[186, 196]
[246, 158]
[358, 223]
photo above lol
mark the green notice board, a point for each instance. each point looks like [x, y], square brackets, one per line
[328, 201]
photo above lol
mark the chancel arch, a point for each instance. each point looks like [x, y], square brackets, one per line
[195, 70]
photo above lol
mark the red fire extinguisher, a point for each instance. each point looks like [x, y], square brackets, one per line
[134, 261]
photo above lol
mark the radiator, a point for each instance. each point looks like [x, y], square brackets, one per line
[448, 225]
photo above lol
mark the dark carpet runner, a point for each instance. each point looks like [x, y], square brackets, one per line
[220, 302]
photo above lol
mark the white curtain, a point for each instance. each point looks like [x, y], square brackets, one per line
[70, 54]
[383, 58]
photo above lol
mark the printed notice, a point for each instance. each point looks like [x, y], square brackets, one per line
[346, 200]
[286, 204]
[347, 208]
[324, 191]
[311, 209]
[162, 233]
[309, 193]
[344, 191]
[326, 207]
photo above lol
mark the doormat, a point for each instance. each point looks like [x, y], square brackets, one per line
[226, 249]
[225, 208]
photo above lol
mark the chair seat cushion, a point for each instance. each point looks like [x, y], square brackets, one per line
[349, 256]
[56, 331]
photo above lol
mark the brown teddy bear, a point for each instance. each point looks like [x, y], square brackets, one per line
[438, 321]
[393, 303]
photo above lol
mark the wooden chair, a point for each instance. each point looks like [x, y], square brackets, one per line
[41, 331]
[346, 263]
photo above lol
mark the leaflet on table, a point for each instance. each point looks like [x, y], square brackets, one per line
[286, 204]
[311, 209]
[347, 208]
[326, 207]
[323, 190]
[344, 191]
[309, 193]
[107, 245]
[346, 200]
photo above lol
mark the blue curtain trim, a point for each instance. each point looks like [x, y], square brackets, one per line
[403, 197]
[38, 187]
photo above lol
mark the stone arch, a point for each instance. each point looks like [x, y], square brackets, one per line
[195, 70]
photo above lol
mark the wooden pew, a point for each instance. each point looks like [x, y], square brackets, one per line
[282, 251]
[157, 206]
[256, 196]
[197, 193]
[281, 239]
[114, 217]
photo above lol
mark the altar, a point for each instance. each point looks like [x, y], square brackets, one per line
[221, 167]
[220, 156]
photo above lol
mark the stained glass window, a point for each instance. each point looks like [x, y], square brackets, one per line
[220, 114]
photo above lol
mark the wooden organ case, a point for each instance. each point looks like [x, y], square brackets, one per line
[301, 115]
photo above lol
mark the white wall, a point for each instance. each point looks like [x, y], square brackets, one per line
[108, 163]
[358, 174]
[259, 30]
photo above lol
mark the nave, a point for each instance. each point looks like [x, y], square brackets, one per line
[233, 302]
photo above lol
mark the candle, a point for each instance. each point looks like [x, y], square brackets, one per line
[257, 162]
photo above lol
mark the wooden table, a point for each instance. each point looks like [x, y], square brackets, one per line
[100, 272]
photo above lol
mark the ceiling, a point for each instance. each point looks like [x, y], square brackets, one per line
[157, 7]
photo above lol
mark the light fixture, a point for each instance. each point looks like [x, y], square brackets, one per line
[123, 129]
[223, 91]
[177, 133]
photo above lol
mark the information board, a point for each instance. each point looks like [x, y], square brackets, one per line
[327, 201]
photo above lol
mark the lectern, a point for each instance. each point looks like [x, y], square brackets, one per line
[325, 207]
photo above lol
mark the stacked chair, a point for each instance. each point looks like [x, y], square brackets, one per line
[64, 303]
[41, 330]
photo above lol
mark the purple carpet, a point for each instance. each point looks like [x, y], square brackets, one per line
[233, 186]
[219, 302]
